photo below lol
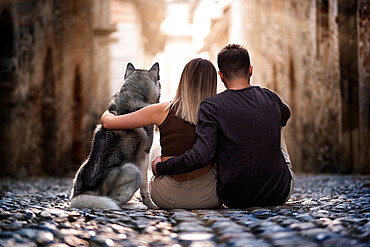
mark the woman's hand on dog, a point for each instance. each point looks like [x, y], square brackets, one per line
[107, 116]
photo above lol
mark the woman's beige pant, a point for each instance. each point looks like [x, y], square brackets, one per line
[284, 150]
[191, 194]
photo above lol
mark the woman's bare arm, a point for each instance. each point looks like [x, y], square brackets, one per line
[152, 114]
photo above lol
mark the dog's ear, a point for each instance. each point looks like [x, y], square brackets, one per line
[130, 68]
[154, 70]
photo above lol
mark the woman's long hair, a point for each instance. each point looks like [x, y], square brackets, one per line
[198, 81]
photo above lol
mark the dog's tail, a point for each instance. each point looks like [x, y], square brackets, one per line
[93, 202]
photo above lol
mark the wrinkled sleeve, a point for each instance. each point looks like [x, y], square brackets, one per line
[284, 110]
[204, 148]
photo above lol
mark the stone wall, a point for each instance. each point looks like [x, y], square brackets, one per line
[137, 39]
[127, 48]
[53, 59]
[364, 83]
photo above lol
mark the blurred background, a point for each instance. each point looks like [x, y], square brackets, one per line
[62, 60]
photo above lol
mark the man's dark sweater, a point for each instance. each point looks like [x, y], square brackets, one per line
[240, 131]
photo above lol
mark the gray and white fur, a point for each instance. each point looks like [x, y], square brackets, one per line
[119, 159]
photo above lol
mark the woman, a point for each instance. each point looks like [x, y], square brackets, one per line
[176, 121]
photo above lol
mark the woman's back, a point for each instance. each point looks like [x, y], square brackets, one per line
[176, 137]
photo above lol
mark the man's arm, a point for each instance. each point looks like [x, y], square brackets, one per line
[204, 148]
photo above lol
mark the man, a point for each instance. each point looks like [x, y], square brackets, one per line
[240, 130]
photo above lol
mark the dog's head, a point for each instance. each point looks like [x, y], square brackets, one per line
[144, 82]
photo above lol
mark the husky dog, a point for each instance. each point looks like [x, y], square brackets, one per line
[118, 162]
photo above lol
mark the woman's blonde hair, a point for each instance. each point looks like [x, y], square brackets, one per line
[198, 81]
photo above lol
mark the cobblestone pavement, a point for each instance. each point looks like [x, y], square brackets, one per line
[323, 211]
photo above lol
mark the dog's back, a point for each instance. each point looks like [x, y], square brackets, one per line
[113, 149]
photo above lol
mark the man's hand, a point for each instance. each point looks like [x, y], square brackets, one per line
[154, 165]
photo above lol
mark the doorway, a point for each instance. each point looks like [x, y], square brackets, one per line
[48, 116]
[347, 26]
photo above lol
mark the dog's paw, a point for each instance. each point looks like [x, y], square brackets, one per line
[150, 204]
[155, 207]
[147, 200]
[133, 205]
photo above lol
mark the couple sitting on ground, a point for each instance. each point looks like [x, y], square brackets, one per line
[225, 148]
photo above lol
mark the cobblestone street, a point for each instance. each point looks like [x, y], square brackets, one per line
[324, 210]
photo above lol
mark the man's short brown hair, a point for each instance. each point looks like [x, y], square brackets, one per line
[233, 61]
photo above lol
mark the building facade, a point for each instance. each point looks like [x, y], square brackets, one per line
[54, 81]
[137, 38]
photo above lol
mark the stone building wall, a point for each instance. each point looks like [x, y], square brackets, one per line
[137, 38]
[51, 95]
[364, 81]
[126, 48]
[315, 55]
[177, 49]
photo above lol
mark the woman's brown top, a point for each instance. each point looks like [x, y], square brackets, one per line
[176, 137]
